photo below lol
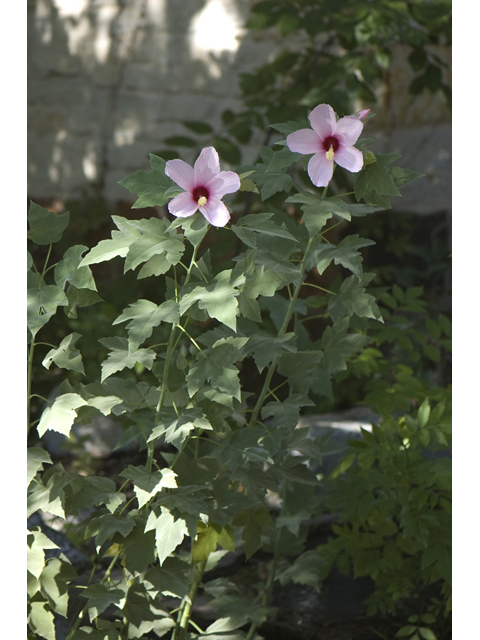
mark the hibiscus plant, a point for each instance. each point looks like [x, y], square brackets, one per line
[223, 469]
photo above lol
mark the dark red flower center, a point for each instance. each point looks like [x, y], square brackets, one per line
[199, 193]
[331, 141]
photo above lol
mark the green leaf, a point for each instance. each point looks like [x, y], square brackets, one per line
[427, 633]
[61, 415]
[207, 539]
[66, 356]
[227, 150]
[55, 580]
[266, 347]
[45, 226]
[176, 429]
[315, 213]
[289, 127]
[286, 413]
[254, 522]
[404, 176]
[346, 254]
[338, 345]
[300, 369]
[406, 631]
[41, 620]
[79, 298]
[180, 141]
[241, 447]
[259, 281]
[194, 227]
[91, 491]
[104, 527]
[36, 458]
[68, 270]
[352, 298]
[169, 532]
[361, 210]
[38, 541]
[198, 127]
[223, 625]
[42, 304]
[218, 298]
[308, 569]
[100, 597]
[217, 367]
[282, 159]
[117, 246]
[150, 186]
[169, 579]
[139, 548]
[155, 240]
[122, 356]
[375, 177]
[423, 413]
[144, 316]
[146, 484]
[432, 352]
[271, 181]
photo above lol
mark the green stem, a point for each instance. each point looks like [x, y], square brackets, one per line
[105, 578]
[184, 613]
[316, 286]
[283, 329]
[168, 356]
[46, 260]
[269, 584]
[29, 381]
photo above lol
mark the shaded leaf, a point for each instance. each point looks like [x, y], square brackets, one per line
[36, 458]
[150, 186]
[66, 356]
[61, 415]
[122, 355]
[68, 270]
[45, 226]
[169, 532]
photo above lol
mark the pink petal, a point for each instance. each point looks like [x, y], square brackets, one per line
[362, 115]
[323, 120]
[183, 205]
[215, 212]
[224, 182]
[181, 173]
[304, 141]
[348, 129]
[349, 158]
[320, 169]
[206, 166]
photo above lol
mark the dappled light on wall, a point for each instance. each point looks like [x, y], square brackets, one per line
[215, 31]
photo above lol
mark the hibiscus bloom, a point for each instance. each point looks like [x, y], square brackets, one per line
[329, 141]
[362, 114]
[204, 186]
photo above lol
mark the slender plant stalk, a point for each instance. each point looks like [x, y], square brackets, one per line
[29, 381]
[184, 613]
[283, 329]
[105, 578]
[168, 357]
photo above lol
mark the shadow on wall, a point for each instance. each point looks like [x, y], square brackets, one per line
[110, 79]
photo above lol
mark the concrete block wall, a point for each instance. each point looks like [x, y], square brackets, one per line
[110, 79]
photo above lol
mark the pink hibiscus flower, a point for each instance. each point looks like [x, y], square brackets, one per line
[329, 141]
[204, 186]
